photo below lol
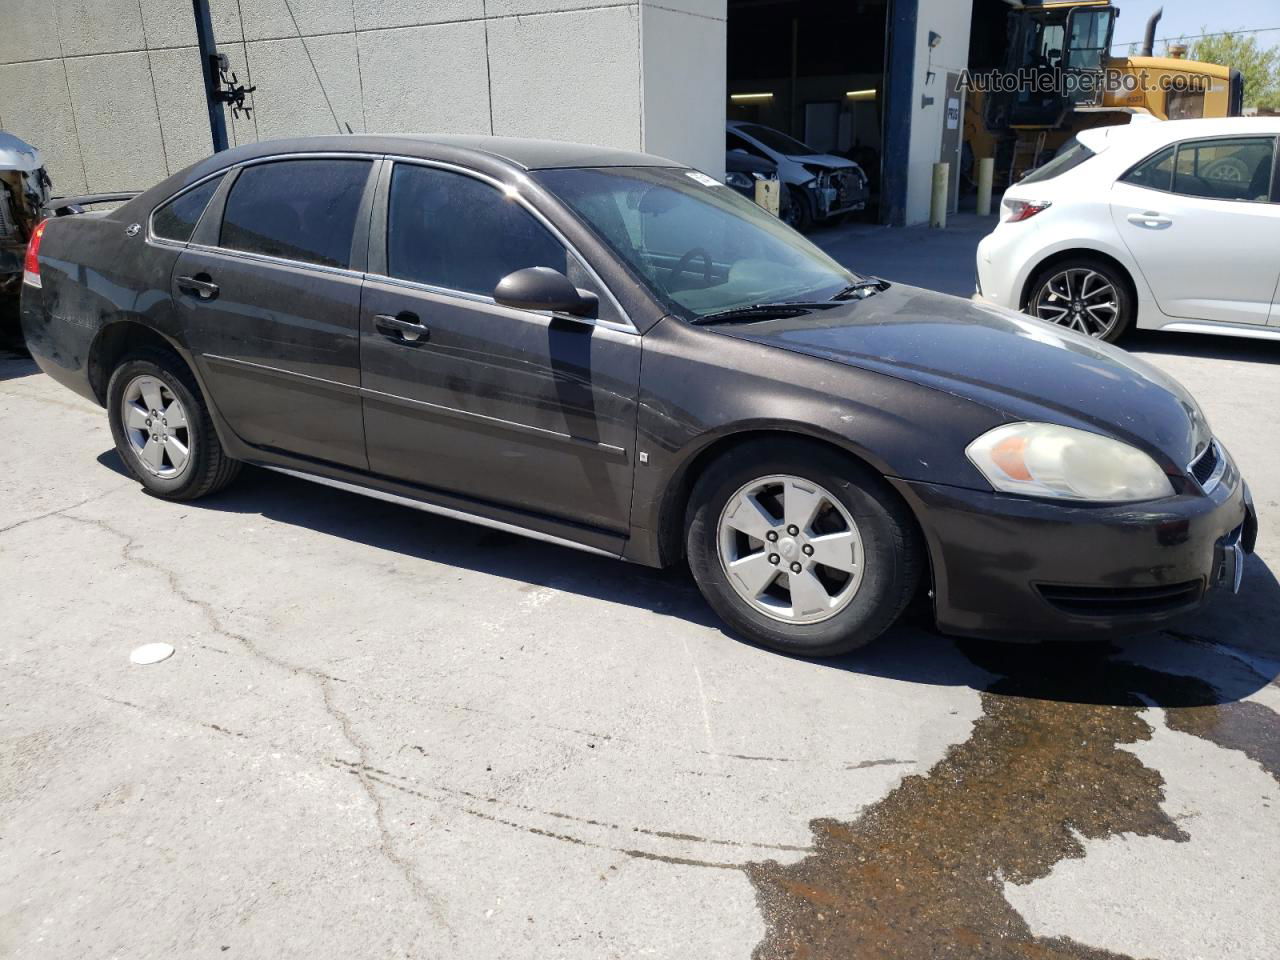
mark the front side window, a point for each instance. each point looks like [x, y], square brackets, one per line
[1155, 172]
[1237, 169]
[177, 219]
[449, 230]
[698, 246]
[296, 209]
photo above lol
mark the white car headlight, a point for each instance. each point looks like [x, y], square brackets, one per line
[1046, 460]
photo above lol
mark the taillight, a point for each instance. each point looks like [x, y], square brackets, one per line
[31, 265]
[1020, 210]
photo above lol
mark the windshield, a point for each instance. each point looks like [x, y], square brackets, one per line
[698, 246]
[775, 140]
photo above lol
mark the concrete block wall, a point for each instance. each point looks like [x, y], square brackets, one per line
[112, 94]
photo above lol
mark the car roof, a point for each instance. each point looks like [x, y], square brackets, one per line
[1147, 136]
[526, 154]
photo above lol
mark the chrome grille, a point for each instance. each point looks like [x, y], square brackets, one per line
[1207, 468]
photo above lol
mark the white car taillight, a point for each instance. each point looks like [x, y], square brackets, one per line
[1018, 210]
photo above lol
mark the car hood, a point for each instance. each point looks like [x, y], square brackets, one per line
[1020, 367]
[823, 160]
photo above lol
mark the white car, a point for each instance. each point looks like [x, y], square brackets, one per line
[1169, 226]
[819, 185]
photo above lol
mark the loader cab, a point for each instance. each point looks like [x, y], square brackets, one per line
[1056, 50]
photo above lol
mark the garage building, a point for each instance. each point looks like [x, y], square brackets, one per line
[112, 91]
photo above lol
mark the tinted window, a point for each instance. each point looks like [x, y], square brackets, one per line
[700, 249]
[177, 219]
[1225, 169]
[1072, 155]
[1155, 172]
[296, 209]
[454, 231]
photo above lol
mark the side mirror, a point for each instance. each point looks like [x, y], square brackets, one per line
[541, 288]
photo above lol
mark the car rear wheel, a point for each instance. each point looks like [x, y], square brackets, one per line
[162, 428]
[1084, 295]
[800, 548]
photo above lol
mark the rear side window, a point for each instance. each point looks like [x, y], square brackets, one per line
[1071, 156]
[453, 231]
[1155, 172]
[296, 209]
[177, 219]
[1225, 169]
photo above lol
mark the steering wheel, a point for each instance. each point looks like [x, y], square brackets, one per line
[690, 255]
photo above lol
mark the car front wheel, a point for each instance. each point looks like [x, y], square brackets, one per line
[1084, 295]
[800, 548]
[162, 428]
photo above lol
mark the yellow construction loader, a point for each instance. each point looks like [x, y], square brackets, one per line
[1059, 78]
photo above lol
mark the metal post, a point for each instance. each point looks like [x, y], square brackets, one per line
[986, 173]
[938, 203]
[208, 52]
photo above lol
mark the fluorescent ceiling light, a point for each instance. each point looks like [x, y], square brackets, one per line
[861, 94]
[751, 96]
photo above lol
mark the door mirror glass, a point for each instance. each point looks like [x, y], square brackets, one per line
[541, 288]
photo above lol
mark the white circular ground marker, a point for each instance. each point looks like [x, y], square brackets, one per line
[151, 653]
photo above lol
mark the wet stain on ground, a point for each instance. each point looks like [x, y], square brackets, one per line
[920, 874]
[1246, 726]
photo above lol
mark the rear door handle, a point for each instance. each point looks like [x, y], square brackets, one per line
[403, 327]
[201, 285]
[1150, 219]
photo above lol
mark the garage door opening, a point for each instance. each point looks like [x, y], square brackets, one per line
[814, 71]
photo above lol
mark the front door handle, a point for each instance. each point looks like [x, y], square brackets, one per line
[1150, 219]
[201, 285]
[403, 327]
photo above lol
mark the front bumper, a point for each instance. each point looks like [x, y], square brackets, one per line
[1016, 568]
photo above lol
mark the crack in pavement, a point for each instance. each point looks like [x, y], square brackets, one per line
[61, 510]
[129, 551]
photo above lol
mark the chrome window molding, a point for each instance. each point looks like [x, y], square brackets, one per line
[1177, 146]
[551, 228]
[152, 237]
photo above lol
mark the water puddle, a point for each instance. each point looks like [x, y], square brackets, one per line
[920, 873]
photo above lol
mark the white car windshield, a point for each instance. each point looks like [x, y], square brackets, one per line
[697, 245]
[776, 140]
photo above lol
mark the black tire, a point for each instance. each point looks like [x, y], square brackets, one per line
[797, 214]
[208, 468]
[894, 555]
[1124, 298]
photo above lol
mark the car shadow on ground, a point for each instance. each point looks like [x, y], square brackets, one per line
[912, 651]
[1206, 346]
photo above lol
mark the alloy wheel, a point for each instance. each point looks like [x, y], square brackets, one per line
[155, 423]
[1080, 299]
[790, 549]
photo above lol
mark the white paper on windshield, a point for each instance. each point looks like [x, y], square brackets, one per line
[702, 178]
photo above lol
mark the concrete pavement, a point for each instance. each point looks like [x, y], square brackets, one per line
[389, 734]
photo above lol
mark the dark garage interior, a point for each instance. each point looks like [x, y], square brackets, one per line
[813, 69]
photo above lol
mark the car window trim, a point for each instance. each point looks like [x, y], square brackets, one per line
[1177, 146]
[377, 267]
[218, 199]
[152, 236]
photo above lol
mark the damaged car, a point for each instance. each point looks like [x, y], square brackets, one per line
[819, 186]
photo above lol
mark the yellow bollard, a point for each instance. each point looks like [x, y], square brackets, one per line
[986, 173]
[938, 204]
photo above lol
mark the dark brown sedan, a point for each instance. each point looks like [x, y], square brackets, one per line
[616, 353]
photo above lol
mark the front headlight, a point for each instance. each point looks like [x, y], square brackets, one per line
[740, 180]
[1046, 460]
